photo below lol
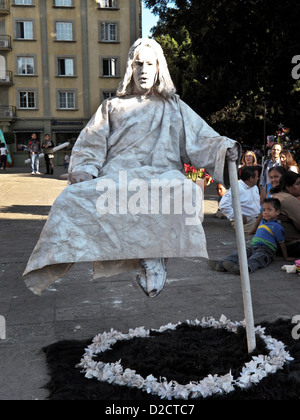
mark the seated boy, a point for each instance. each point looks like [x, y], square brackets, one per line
[263, 246]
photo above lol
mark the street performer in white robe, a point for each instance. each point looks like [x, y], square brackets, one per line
[128, 204]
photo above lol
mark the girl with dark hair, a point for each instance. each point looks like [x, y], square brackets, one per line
[288, 161]
[275, 175]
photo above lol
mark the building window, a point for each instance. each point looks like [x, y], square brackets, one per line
[64, 31]
[26, 66]
[23, 2]
[107, 94]
[63, 3]
[65, 67]
[108, 4]
[66, 100]
[110, 67]
[27, 99]
[108, 32]
[24, 30]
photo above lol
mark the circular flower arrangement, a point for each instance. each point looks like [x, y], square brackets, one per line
[113, 373]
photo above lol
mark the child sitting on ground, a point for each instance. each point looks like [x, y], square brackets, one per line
[221, 190]
[263, 246]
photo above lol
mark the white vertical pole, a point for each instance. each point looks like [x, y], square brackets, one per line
[241, 245]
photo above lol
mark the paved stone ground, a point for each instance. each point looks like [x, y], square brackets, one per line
[78, 307]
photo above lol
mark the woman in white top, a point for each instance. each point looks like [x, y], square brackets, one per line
[3, 156]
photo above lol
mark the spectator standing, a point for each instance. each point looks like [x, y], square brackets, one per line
[249, 197]
[34, 150]
[48, 153]
[3, 156]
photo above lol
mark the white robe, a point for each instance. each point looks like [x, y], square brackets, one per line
[129, 142]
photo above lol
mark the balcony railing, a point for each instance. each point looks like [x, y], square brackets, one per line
[4, 7]
[6, 77]
[5, 42]
[7, 111]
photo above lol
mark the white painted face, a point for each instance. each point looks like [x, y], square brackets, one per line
[144, 70]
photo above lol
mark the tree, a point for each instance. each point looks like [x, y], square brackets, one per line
[239, 56]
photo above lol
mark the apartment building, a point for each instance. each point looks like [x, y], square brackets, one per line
[59, 59]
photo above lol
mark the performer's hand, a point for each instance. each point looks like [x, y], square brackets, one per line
[233, 153]
[76, 177]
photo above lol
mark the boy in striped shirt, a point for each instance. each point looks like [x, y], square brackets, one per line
[263, 247]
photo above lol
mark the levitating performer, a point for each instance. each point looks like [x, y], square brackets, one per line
[128, 204]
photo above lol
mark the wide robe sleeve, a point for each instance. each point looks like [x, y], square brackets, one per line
[90, 150]
[204, 147]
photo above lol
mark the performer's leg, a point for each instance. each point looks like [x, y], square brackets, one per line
[37, 164]
[32, 163]
[152, 277]
[47, 164]
[51, 166]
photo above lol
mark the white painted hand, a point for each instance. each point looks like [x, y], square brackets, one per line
[76, 177]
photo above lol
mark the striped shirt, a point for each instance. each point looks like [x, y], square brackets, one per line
[269, 233]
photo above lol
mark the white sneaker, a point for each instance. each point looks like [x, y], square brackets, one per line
[38, 173]
[152, 277]
[32, 173]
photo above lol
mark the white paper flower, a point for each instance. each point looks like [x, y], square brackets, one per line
[165, 390]
[137, 382]
[181, 391]
[151, 384]
[139, 332]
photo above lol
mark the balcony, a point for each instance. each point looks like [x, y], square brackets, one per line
[4, 7]
[5, 42]
[7, 112]
[6, 78]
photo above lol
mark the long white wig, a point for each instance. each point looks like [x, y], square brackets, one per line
[164, 84]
